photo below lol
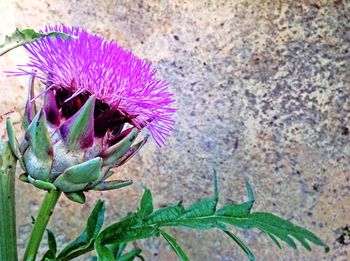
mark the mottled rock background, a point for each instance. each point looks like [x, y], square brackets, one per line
[262, 90]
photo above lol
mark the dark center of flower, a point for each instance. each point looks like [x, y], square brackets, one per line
[105, 117]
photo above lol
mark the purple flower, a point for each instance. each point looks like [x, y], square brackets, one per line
[125, 86]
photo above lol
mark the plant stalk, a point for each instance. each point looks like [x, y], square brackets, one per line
[8, 242]
[45, 212]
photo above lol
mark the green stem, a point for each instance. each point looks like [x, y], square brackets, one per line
[46, 210]
[8, 244]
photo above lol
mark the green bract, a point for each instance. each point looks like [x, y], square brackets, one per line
[59, 153]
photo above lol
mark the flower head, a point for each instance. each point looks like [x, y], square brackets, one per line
[86, 64]
[94, 90]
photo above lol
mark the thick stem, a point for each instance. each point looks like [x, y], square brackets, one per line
[8, 243]
[45, 212]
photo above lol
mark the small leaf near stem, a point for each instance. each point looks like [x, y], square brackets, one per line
[85, 241]
[241, 244]
[175, 246]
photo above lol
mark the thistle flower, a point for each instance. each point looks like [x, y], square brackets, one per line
[88, 64]
[94, 90]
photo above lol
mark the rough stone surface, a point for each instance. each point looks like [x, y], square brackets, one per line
[262, 90]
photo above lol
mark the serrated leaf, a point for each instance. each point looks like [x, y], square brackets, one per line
[205, 207]
[166, 214]
[238, 210]
[124, 231]
[85, 241]
[128, 235]
[146, 207]
[175, 246]
[269, 221]
[277, 227]
[121, 232]
[235, 210]
[241, 244]
[200, 223]
[25, 36]
[77, 177]
[140, 225]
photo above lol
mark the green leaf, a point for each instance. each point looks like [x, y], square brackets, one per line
[166, 214]
[201, 215]
[127, 235]
[274, 239]
[146, 207]
[175, 246]
[200, 223]
[241, 244]
[121, 232]
[116, 248]
[129, 256]
[51, 241]
[95, 221]
[124, 231]
[76, 178]
[25, 36]
[268, 222]
[235, 210]
[103, 253]
[120, 249]
[277, 227]
[239, 210]
[85, 242]
[38, 156]
[204, 207]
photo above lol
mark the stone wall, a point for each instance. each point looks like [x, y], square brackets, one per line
[262, 90]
